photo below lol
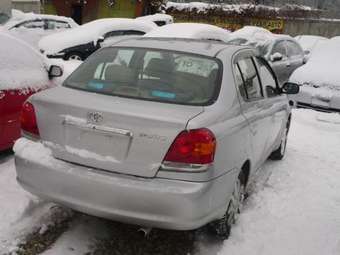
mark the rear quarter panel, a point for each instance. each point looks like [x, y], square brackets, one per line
[227, 122]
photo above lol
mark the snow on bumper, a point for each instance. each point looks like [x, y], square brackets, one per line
[156, 202]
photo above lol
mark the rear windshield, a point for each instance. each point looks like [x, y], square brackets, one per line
[154, 75]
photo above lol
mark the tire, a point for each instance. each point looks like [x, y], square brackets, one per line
[281, 151]
[74, 56]
[222, 227]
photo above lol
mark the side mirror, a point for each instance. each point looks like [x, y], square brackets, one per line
[306, 52]
[99, 41]
[55, 71]
[276, 57]
[290, 88]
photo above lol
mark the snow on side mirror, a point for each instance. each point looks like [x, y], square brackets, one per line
[99, 41]
[290, 88]
[55, 71]
[276, 57]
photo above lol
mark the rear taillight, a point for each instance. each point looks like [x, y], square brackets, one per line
[195, 146]
[28, 119]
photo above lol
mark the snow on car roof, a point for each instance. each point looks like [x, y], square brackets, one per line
[157, 17]
[90, 32]
[19, 17]
[191, 31]
[21, 66]
[258, 37]
[322, 69]
[252, 35]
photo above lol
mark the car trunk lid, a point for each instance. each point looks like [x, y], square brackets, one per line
[115, 134]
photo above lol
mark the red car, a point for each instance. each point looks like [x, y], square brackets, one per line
[22, 73]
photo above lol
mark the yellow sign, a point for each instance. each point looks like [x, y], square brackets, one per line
[268, 24]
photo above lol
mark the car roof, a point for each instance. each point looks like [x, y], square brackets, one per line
[192, 31]
[201, 47]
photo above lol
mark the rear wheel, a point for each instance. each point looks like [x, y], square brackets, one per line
[223, 226]
[74, 56]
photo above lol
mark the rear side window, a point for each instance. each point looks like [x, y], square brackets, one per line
[251, 81]
[280, 47]
[32, 24]
[294, 50]
[154, 75]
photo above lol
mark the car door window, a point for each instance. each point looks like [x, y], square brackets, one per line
[250, 78]
[133, 32]
[280, 47]
[113, 34]
[62, 25]
[268, 79]
[32, 24]
[239, 82]
[294, 50]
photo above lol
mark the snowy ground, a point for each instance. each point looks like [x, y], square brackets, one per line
[293, 208]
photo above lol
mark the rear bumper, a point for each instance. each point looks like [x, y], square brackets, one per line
[156, 202]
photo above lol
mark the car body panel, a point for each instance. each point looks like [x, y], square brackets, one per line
[22, 73]
[320, 98]
[131, 124]
[10, 107]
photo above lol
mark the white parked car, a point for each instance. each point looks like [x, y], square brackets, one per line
[309, 42]
[159, 19]
[32, 27]
[81, 42]
[319, 79]
[191, 31]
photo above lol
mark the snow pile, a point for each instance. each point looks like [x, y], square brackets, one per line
[288, 10]
[322, 69]
[20, 212]
[21, 67]
[167, 19]
[296, 210]
[308, 42]
[251, 35]
[192, 31]
[90, 33]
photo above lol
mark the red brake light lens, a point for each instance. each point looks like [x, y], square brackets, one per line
[193, 147]
[28, 119]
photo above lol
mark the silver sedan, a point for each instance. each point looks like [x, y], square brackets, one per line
[162, 133]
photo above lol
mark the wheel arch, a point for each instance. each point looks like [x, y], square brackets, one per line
[245, 169]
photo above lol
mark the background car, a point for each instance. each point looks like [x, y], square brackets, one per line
[282, 51]
[81, 42]
[156, 132]
[159, 19]
[22, 73]
[309, 42]
[320, 79]
[191, 31]
[32, 27]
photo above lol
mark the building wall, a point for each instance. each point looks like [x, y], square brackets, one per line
[5, 6]
[27, 6]
[94, 9]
